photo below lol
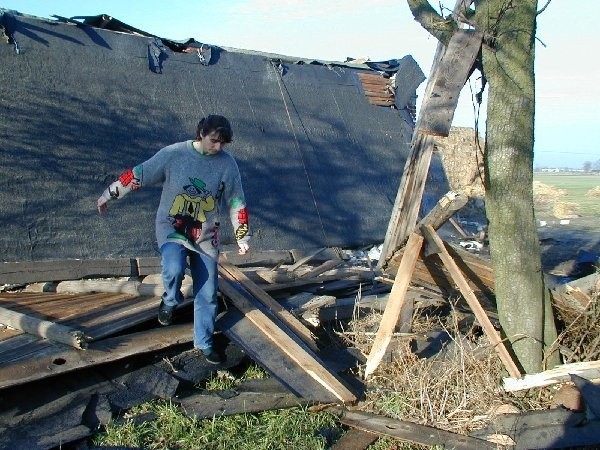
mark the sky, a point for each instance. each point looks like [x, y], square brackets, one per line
[567, 70]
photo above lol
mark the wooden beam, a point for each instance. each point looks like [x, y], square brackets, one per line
[448, 80]
[412, 432]
[302, 356]
[395, 303]
[233, 274]
[408, 199]
[460, 280]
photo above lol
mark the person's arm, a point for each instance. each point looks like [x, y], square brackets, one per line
[238, 214]
[145, 174]
[128, 181]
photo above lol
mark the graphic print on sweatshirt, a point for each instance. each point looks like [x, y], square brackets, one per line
[187, 213]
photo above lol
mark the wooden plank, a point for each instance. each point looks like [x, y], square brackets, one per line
[68, 269]
[267, 353]
[395, 303]
[288, 346]
[457, 276]
[100, 352]
[560, 374]
[448, 80]
[412, 432]
[232, 273]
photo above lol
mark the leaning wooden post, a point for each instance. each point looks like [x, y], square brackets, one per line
[436, 242]
[395, 302]
[451, 68]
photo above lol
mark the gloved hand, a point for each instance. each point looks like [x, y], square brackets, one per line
[102, 204]
[243, 248]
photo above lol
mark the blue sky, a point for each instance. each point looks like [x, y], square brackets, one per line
[567, 71]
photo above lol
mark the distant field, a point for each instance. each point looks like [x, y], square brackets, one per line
[576, 186]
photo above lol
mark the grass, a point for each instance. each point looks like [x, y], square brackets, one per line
[283, 429]
[172, 429]
[576, 187]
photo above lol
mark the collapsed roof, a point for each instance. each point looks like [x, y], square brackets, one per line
[321, 145]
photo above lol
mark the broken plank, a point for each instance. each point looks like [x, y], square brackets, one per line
[559, 374]
[443, 210]
[305, 259]
[408, 199]
[324, 267]
[232, 273]
[264, 395]
[412, 432]
[100, 352]
[287, 345]
[457, 276]
[395, 303]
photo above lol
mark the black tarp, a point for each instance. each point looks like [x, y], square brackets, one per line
[78, 105]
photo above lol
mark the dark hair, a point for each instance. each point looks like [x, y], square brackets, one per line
[216, 123]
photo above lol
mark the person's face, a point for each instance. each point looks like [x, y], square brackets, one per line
[211, 144]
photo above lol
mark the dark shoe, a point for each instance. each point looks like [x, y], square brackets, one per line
[165, 314]
[212, 357]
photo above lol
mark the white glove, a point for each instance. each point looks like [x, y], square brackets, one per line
[102, 204]
[243, 248]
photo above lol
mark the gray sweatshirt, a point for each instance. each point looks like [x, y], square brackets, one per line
[195, 188]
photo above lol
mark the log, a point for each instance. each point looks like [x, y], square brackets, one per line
[412, 432]
[43, 328]
[443, 210]
[559, 374]
[121, 286]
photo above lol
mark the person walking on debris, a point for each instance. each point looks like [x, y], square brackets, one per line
[198, 178]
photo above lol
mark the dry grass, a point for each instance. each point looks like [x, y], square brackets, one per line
[594, 192]
[545, 194]
[564, 210]
[579, 338]
[458, 390]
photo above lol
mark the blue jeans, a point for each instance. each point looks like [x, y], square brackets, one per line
[203, 269]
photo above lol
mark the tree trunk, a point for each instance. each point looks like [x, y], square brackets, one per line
[508, 65]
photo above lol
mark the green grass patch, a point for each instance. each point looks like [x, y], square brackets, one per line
[576, 187]
[282, 429]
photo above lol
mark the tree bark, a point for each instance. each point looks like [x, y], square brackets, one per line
[508, 65]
